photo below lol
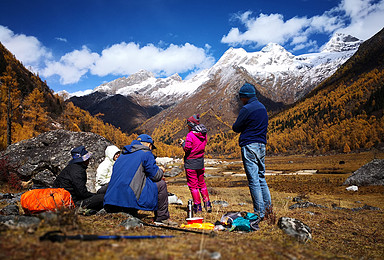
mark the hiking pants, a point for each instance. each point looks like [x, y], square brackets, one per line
[162, 212]
[94, 202]
[196, 184]
[253, 156]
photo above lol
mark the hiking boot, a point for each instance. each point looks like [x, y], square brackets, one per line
[166, 222]
[197, 208]
[208, 206]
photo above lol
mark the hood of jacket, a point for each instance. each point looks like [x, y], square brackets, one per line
[134, 146]
[111, 151]
[200, 131]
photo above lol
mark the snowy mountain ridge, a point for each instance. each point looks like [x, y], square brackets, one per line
[286, 77]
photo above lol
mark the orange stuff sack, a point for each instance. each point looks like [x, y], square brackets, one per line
[50, 199]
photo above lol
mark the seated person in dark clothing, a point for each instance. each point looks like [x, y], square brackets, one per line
[73, 178]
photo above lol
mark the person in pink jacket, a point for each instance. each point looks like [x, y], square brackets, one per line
[194, 147]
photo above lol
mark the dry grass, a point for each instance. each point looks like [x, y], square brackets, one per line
[339, 163]
[337, 234]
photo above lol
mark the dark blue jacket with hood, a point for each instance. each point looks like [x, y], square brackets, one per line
[252, 123]
[132, 183]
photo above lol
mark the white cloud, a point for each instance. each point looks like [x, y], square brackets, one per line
[356, 8]
[365, 22]
[325, 23]
[61, 39]
[118, 59]
[360, 18]
[68, 74]
[311, 45]
[265, 29]
[28, 49]
[72, 66]
[127, 58]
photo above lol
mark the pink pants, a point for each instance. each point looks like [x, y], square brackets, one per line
[196, 183]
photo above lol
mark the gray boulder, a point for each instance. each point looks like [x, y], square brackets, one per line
[43, 157]
[10, 198]
[221, 203]
[306, 204]
[23, 222]
[295, 228]
[10, 210]
[131, 222]
[370, 174]
[173, 172]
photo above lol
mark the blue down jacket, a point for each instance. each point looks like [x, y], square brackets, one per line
[133, 179]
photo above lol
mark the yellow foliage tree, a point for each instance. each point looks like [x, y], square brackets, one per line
[9, 109]
[35, 117]
[346, 148]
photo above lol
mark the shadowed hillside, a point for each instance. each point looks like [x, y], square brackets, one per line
[118, 110]
[28, 108]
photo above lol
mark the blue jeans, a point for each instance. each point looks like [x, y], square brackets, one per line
[253, 159]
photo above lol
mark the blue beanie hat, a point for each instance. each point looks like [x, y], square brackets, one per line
[247, 91]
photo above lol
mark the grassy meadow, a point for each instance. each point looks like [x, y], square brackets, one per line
[337, 234]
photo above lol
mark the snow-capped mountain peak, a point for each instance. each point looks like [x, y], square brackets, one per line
[273, 47]
[140, 76]
[341, 42]
[285, 76]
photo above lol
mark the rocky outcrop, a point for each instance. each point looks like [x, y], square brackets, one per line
[370, 174]
[41, 159]
[295, 228]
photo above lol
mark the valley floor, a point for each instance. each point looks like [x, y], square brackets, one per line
[337, 233]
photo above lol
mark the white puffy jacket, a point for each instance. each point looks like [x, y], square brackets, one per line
[104, 171]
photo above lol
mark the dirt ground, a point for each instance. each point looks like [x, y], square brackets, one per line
[337, 233]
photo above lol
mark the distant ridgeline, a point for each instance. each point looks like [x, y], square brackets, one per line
[28, 107]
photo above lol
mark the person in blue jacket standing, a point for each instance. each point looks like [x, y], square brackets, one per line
[252, 124]
[137, 182]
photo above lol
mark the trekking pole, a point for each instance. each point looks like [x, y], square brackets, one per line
[55, 236]
[211, 234]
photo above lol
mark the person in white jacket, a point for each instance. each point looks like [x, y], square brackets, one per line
[104, 171]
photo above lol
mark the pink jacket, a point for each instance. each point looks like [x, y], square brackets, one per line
[194, 148]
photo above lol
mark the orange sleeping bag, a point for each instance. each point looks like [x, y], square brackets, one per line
[50, 199]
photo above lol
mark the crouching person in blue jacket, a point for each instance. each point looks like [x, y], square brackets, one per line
[137, 182]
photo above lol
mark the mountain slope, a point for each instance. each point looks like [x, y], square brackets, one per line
[28, 81]
[217, 106]
[286, 77]
[118, 110]
[280, 77]
[343, 114]
[36, 109]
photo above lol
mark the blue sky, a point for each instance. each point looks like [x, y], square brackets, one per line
[77, 45]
